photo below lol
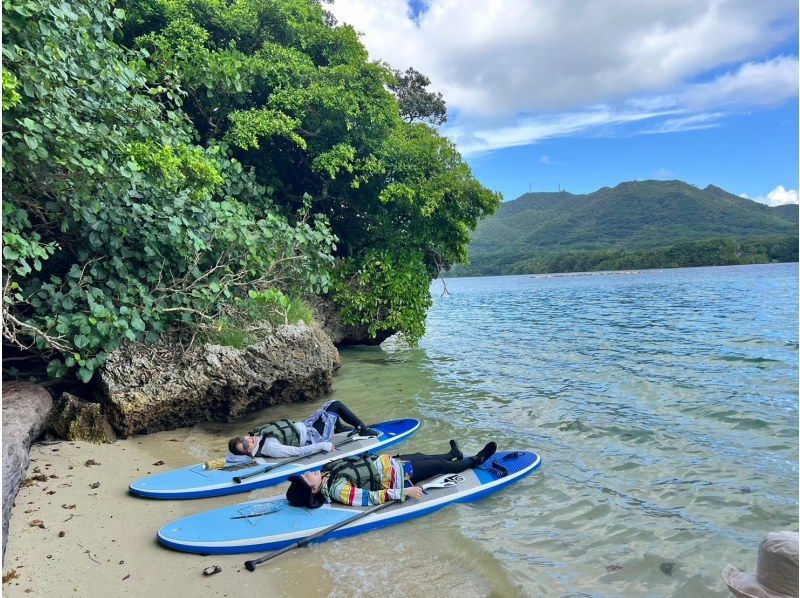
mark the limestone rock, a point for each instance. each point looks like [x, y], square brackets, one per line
[328, 314]
[25, 409]
[75, 419]
[146, 389]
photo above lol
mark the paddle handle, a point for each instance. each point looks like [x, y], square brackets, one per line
[238, 479]
[251, 565]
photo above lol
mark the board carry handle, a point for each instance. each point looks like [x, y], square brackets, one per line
[251, 565]
[238, 479]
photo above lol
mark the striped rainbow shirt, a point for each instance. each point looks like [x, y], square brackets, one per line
[392, 480]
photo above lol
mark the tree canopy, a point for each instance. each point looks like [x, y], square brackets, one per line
[167, 161]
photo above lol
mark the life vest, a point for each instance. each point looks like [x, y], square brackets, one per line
[283, 431]
[361, 472]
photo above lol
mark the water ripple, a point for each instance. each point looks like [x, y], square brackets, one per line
[664, 404]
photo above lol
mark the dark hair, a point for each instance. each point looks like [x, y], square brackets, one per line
[299, 494]
[234, 444]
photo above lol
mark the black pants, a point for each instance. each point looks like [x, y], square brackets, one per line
[427, 466]
[345, 415]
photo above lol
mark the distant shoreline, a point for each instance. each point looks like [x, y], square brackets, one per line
[710, 252]
[619, 272]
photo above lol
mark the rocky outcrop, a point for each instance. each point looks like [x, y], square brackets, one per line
[146, 389]
[329, 316]
[25, 410]
[75, 419]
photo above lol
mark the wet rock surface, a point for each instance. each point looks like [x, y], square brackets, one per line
[152, 388]
[75, 419]
[25, 410]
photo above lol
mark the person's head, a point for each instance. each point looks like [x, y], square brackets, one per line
[242, 445]
[306, 490]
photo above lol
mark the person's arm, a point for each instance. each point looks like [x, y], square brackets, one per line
[273, 448]
[344, 492]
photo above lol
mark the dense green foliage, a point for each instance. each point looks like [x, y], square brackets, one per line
[203, 163]
[297, 99]
[711, 252]
[416, 102]
[247, 324]
[649, 224]
[116, 224]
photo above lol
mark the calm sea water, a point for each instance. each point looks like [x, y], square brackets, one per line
[664, 405]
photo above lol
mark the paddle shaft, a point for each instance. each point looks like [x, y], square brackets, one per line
[251, 565]
[238, 479]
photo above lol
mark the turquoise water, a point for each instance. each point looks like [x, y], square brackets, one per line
[664, 405]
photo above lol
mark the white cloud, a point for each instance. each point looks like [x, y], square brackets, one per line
[516, 72]
[686, 123]
[546, 159]
[752, 84]
[778, 196]
[664, 174]
[532, 129]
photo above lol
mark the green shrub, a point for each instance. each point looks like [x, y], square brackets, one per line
[116, 225]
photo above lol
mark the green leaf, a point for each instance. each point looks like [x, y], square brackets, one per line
[56, 369]
[85, 374]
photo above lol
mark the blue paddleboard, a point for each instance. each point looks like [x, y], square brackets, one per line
[197, 482]
[271, 524]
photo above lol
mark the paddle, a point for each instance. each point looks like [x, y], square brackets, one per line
[266, 468]
[251, 565]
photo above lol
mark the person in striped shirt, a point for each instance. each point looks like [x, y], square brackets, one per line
[376, 479]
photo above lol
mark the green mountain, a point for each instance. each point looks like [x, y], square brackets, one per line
[632, 225]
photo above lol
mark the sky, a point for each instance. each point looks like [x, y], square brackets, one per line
[583, 94]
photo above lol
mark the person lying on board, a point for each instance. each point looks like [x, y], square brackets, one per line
[376, 479]
[285, 438]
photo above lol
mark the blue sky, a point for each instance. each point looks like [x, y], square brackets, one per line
[588, 94]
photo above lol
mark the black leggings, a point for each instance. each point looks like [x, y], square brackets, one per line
[427, 466]
[345, 415]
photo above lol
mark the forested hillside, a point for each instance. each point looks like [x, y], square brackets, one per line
[633, 225]
[181, 165]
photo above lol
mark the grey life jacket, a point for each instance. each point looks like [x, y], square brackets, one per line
[282, 430]
[361, 472]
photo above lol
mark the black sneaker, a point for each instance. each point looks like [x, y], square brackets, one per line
[484, 454]
[365, 431]
[455, 453]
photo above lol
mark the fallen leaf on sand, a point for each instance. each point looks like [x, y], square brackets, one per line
[126, 577]
[33, 479]
[67, 506]
[158, 463]
[212, 570]
[13, 574]
[95, 485]
[90, 462]
[37, 523]
[62, 534]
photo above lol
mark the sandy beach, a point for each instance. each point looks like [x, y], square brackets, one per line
[75, 531]
[95, 539]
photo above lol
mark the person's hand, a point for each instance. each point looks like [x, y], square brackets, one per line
[328, 446]
[414, 492]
